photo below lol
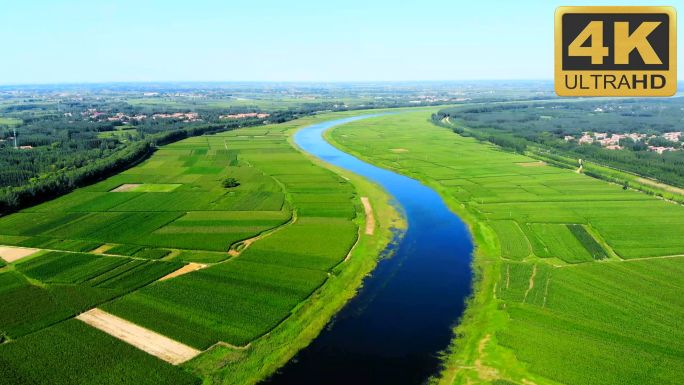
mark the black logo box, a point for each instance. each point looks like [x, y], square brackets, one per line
[574, 24]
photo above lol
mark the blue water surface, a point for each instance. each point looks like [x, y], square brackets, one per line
[392, 331]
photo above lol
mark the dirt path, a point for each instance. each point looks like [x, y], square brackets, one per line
[370, 219]
[531, 286]
[484, 372]
[11, 254]
[189, 268]
[243, 245]
[146, 340]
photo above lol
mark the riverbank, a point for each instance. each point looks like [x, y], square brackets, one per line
[543, 314]
[401, 319]
[229, 365]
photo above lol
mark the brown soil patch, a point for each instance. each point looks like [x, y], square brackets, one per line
[146, 340]
[126, 187]
[11, 254]
[532, 164]
[101, 249]
[398, 150]
[370, 219]
[663, 186]
[484, 372]
[189, 268]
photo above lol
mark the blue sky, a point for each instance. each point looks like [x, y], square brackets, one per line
[53, 41]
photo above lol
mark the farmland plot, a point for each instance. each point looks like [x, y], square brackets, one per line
[589, 304]
[514, 244]
[108, 246]
[74, 353]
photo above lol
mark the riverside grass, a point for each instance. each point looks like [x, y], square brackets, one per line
[231, 365]
[198, 221]
[603, 308]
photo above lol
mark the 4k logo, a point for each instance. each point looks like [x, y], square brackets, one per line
[616, 51]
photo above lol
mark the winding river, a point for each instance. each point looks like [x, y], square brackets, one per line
[392, 331]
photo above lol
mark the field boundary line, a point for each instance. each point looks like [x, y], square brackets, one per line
[648, 258]
[625, 260]
[144, 339]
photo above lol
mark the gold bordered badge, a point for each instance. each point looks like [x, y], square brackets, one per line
[616, 51]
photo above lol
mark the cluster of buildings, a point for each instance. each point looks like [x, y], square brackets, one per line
[258, 115]
[661, 149]
[673, 136]
[91, 113]
[126, 119]
[184, 116]
[612, 141]
[427, 99]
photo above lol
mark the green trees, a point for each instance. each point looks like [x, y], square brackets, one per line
[556, 127]
[230, 182]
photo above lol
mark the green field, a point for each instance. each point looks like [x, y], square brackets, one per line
[10, 121]
[74, 353]
[269, 243]
[579, 280]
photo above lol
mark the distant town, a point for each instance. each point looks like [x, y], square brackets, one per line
[669, 141]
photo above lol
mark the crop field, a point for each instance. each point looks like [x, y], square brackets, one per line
[74, 353]
[237, 301]
[69, 283]
[287, 225]
[581, 280]
[10, 121]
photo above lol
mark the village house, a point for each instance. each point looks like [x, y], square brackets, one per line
[660, 150]
[586, 139]
[673, 136]
[185, 116]
[245, 115]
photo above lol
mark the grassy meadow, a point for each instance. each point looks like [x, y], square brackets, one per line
[578, 281]
[275, 247]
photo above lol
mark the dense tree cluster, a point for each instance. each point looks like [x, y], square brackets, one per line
[519, 126]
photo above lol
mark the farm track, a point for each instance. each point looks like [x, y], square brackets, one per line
[238, 247]
[621, 260]
[370, 218]
[189, 268]
[531, 284]
[146, 340]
